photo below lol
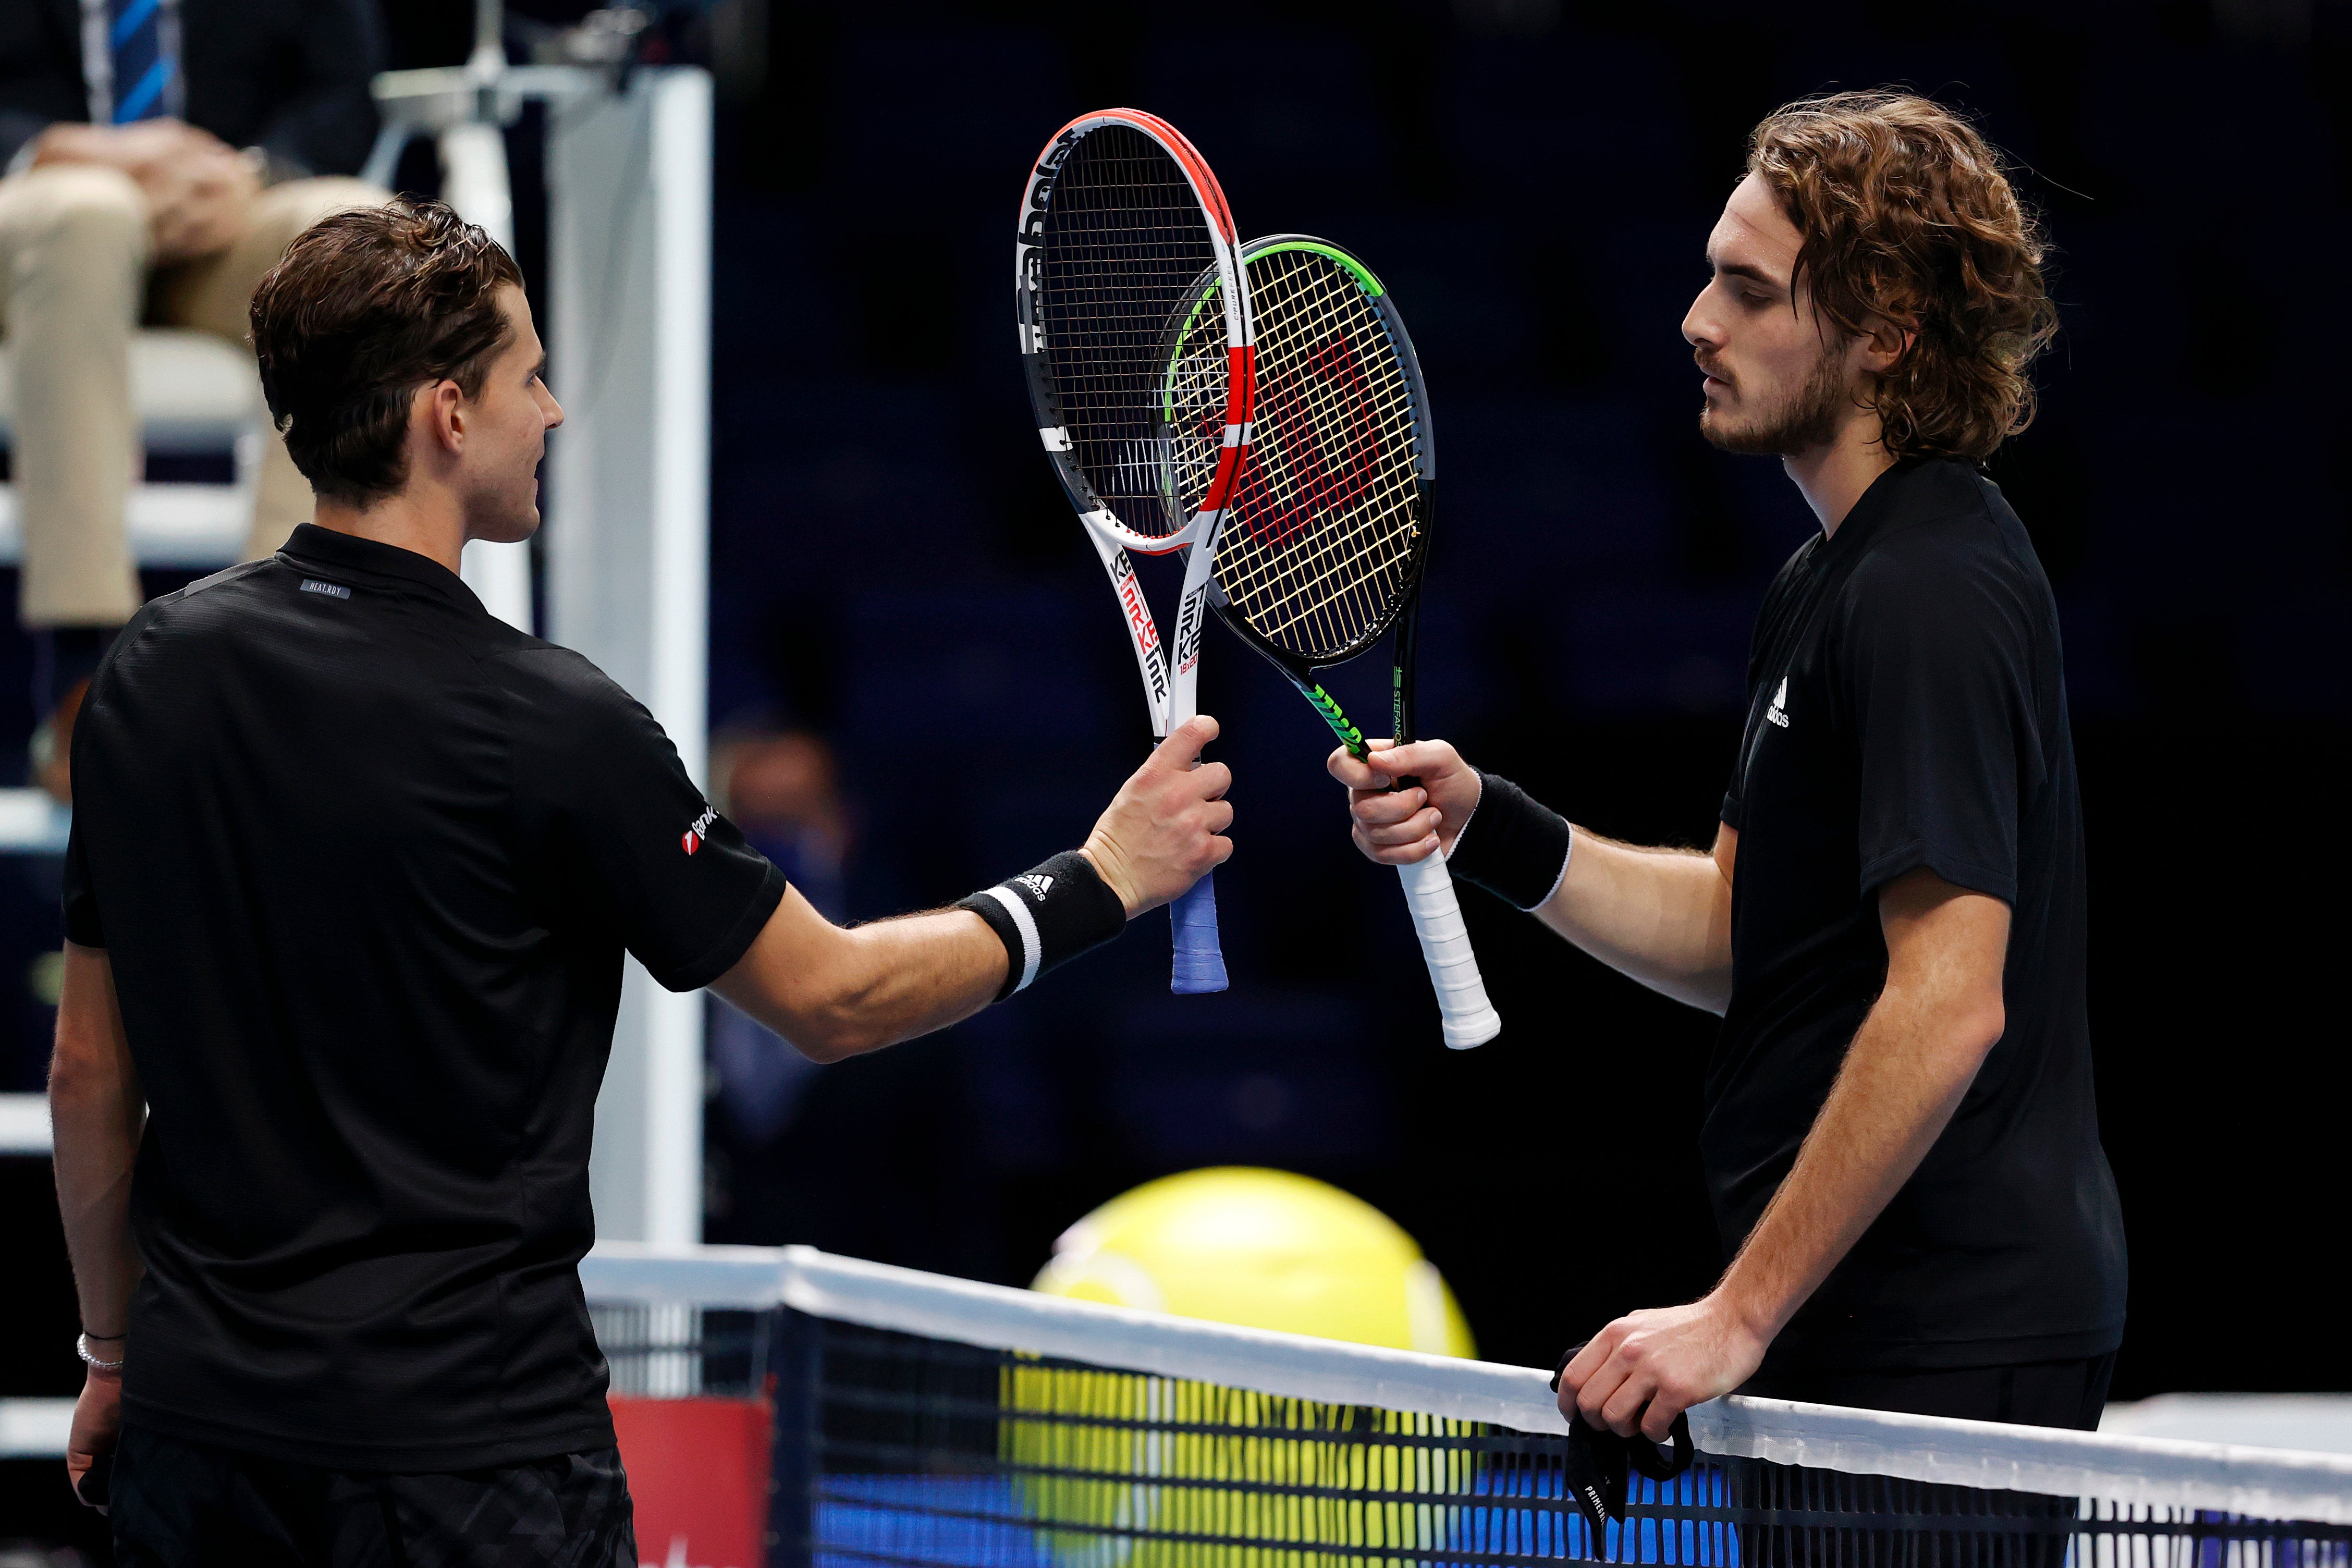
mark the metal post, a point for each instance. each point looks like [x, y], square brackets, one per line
[628, 541]
[474, 180]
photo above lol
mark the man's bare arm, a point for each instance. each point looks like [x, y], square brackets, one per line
[836, 993]
[98, 1113]
[1661, 916]
[1904, 1076]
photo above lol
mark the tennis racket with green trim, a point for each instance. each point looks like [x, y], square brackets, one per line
[1325, 535]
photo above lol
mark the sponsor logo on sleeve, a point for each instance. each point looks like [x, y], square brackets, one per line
[1779, 712]
[694, 834]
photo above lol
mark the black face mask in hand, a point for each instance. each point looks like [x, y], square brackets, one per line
[1598, 1460]
[97, 1481]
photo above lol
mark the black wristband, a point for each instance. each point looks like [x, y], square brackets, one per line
[1514, 846]
[1048, 916]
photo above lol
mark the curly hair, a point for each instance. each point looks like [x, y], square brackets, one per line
[1909, 216]
[366, 306]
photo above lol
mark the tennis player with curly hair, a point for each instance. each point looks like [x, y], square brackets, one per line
[1900, 1140]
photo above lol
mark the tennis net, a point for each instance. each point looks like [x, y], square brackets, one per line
[926, 1422]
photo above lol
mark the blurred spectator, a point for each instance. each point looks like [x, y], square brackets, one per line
[783, 791]
[160, 155]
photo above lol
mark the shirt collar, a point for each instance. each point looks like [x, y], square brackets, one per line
[1875, 505]
[333, 550]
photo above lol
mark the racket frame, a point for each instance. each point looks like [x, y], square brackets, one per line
[1299, 669]
[1468, 1018]
[1171, 684]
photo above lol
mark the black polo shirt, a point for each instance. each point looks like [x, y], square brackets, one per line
[364, 859]
[1908, 708]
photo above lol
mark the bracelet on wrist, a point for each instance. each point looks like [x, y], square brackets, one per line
[1047, 916]
[1519, 849]
[82, 1349]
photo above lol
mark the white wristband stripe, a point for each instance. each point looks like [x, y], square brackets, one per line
[1033, 949]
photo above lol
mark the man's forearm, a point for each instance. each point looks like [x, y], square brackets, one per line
[69, 142]
[1904, 1076]
[836, 993]
[1661, 916]
[97, 1112]
[908, 976]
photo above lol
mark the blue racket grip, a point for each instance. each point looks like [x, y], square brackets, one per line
[1200, 961]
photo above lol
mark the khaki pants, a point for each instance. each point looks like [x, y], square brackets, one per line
[75, 281]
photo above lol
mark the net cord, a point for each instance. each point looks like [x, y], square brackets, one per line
[2153, 1471]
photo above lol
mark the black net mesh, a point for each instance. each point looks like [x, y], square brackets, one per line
[924, 1453]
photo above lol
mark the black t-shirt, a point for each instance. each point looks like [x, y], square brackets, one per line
[1908, 708]
[364, 859]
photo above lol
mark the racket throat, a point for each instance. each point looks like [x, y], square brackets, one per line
[1341, 726]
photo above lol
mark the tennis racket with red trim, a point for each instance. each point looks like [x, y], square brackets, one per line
[1141, 384]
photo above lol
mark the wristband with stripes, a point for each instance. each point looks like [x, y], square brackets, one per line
[1514, 846]
[1048, 916]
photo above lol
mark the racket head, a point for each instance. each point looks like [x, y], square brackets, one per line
[1121, 221]
[1326, 532]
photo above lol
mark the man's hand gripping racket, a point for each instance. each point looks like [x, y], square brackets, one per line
[1407, 802]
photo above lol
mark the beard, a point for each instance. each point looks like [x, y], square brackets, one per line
[1806, 419]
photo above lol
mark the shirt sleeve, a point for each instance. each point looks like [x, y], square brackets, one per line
[622, 837]
[80, 899]
[1936, 670]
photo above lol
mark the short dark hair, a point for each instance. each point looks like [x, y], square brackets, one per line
[366, 306]
[1909, 216]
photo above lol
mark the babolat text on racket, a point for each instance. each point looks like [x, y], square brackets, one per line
[1122, 217]
[1326, 536]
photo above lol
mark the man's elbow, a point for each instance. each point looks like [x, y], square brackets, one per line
[833, 1041]
[830, 1023]
[825, 1029]
[80, 1072]
[1975, 1029]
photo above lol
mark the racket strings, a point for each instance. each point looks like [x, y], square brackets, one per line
[1317, 551]
[1124, 244]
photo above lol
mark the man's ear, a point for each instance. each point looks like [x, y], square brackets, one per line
[1888, 343]
[440, 414]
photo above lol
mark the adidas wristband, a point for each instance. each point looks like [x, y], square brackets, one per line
[1514, 846]
[1048, 916]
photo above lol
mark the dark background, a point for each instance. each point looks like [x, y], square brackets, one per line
[1535, 183]
[895, 572]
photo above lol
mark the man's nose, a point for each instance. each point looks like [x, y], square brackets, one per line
[1696, 328]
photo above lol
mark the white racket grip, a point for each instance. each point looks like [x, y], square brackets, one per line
[1469, 1019]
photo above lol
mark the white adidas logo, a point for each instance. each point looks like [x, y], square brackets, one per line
[1779, 712]
[1038, 885]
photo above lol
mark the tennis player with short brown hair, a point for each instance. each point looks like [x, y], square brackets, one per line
[1900, 1140]
[352, 869]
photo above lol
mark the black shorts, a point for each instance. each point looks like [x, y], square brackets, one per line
[178, 1505]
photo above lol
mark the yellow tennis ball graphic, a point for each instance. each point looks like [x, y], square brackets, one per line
[1141, 1472]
